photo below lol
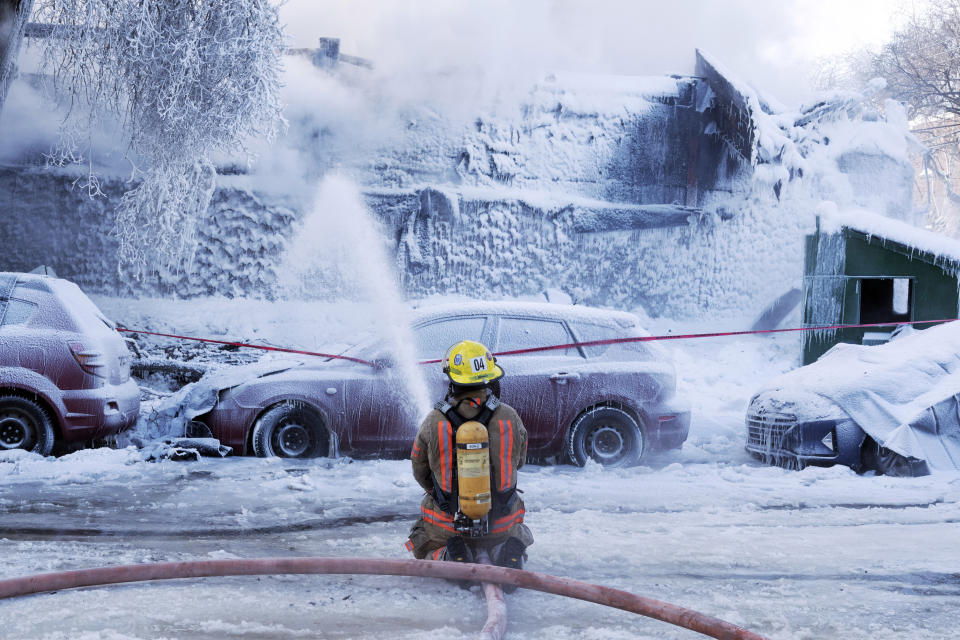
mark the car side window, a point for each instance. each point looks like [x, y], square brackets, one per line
[18, 312]
[435, 338]
[588, 332]
[525, 333]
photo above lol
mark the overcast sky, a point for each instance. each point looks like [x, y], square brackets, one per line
[770, 43]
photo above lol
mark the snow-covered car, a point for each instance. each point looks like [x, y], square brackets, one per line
[64, 369]
[610, 403]
[893, 408]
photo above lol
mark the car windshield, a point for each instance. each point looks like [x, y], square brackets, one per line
[365, 349]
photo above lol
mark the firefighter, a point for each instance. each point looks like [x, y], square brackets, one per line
[443, 531]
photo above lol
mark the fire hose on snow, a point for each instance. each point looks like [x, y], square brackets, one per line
[496, 625]
[489, 575]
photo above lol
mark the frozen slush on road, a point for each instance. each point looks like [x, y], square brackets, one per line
[64, 369]
[613, 404]
[893, 408]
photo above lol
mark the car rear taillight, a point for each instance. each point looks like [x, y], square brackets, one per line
[88, 360]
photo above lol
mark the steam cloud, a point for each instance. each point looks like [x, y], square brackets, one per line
[498, 43]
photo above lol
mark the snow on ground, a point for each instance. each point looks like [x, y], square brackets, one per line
[791, 555]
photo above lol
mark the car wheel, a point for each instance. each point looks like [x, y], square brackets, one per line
[290, 430]
[889, 463]
[608, 435]
[25, 424]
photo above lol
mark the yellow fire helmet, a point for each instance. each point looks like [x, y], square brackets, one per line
[470, 364]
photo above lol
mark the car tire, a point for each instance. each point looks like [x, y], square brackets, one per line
[25, 424]
[290, 430]
[607, 435]
[886, 462]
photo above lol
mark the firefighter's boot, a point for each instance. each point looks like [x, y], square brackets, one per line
[458, 551]
[511, 557]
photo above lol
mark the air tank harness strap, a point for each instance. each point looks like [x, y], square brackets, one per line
[456, 419]
[448, 500]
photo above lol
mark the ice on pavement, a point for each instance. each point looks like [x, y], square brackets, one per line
[809, 554]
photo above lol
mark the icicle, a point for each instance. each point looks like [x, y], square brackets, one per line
[825, 289]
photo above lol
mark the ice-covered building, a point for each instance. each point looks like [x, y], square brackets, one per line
[863, 268]
[685, 195]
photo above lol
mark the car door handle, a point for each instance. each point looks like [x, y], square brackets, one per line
[563, 377]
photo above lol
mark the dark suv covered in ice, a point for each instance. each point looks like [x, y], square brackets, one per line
[64, 369]
[610, 403]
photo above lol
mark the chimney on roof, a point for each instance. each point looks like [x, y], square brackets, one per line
[328, 52]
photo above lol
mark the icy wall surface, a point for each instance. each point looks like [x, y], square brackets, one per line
[685, 195]
[46, 221]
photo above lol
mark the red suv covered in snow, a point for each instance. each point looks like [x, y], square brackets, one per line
[64, 369]
[609, 403]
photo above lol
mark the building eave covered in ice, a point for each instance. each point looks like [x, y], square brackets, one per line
[914, 242]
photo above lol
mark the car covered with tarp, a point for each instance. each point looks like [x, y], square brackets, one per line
[893, 408]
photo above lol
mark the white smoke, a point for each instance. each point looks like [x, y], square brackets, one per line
[496, 44]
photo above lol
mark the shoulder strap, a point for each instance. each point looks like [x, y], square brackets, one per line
[451, 414]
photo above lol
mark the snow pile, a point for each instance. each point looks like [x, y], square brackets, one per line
[184, 449]
[847, 149]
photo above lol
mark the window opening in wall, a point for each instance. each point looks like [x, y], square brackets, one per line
[885, 300]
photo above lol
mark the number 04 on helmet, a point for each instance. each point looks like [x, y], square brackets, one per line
[470, 364]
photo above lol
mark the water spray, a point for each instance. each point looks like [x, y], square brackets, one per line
[340, 250]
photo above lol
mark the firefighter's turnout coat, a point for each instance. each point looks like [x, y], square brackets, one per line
[434, 458]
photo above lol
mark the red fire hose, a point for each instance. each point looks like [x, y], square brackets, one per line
[669, 613]
[496, 625]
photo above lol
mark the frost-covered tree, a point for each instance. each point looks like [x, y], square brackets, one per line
[921, 66]
[13, 16]
[185, 81]
[921, 62]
